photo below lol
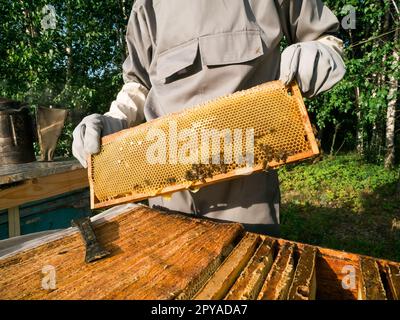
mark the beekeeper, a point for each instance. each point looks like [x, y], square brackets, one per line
[184, 52]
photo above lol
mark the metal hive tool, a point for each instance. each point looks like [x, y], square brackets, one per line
[122, 173]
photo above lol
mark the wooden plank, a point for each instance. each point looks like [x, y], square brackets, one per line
[304, 284]
[279, 279]
[393, 277]
[249, 283]
[220, 283]
[14, 227]
[43, 187]
[370, 283]
[147, 261]
[12, 173]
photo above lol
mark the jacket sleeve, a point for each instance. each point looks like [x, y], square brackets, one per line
[314, 56]
[130, 101]
[139, 45]
[306, 20]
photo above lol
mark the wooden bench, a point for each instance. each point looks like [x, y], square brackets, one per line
[24, 183]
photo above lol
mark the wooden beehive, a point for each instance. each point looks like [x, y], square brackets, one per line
[158, 255]
[129, 169]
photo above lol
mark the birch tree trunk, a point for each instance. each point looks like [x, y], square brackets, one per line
[69, 40]
[391, 111]
[360, 131]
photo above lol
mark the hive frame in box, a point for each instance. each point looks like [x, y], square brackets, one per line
[217, 259]
[294, 93]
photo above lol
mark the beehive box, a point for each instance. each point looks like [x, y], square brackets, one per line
[130, 167]
[189, 258]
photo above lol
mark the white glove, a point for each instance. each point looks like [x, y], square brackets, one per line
[126, 111]
[316, 65]
[88, 133]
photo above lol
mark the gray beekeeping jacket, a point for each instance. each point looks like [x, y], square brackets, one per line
[190, 51]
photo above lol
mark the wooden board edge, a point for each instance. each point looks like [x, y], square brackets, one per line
[306, 119]
[196, 284]
[283, 277]
[393, 278]
[38, 188]
[93, 200]
[259, 266]
[304, 280]
[370, 286]
[224, 277]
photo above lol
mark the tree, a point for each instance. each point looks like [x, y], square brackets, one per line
[391, 110]
[76, 65]
[365, 102]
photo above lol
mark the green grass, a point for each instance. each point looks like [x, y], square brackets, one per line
[342, 203]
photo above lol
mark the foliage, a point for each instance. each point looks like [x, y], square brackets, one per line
[370, 64]
[342, 202]
[76, 66]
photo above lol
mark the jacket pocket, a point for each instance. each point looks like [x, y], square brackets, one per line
[231, 48]
[177, 60]
[215, 50]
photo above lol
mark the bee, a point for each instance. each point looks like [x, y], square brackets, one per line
[314, 129]
[202, 178]
[224, 168]
[209, 172]
[269, 156]
[265, 166]
[171, 180]
[188, 175]
[214, 168]
[191, 175]
[147, 182]
[261, 145]
[283, 155]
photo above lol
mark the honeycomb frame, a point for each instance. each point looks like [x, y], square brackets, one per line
[282, 130]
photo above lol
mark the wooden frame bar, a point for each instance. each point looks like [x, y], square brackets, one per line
[393, 277]
[279, 279]
[249, 283]
[304, 286]
[222, 280]
[370, 283]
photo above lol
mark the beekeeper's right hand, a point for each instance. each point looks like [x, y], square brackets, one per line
[126, 111]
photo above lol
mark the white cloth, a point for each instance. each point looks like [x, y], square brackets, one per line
[126, 111]
[129, 104]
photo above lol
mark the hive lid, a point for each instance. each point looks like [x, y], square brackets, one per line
[7, 105]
